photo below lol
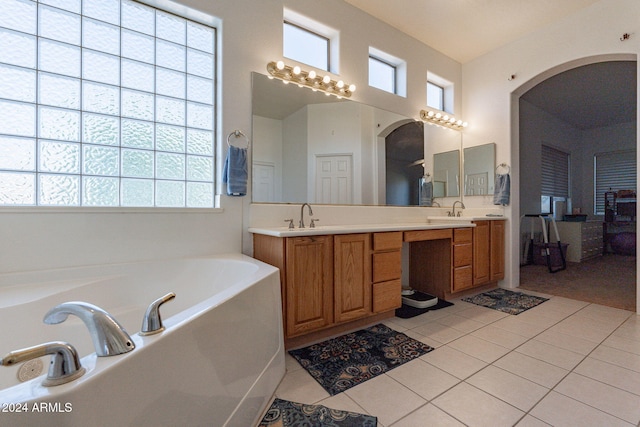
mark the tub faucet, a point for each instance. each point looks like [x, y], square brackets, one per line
[64, 367]
[301, 223]
[109, 337]
[151, 322]
[453, 212]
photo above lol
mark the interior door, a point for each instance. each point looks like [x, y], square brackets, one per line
[334, 179]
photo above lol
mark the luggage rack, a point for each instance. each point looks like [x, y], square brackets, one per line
[528, 249]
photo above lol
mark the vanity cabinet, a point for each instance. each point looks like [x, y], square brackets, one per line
[387, 271]
[462, 248]
[352, 276]
[308, 284]
[330, 280]
[488, 252]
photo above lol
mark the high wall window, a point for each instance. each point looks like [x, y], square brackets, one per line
[435, 96]
[386, 72]
[105, 103]
[613, 171]
[382, 75]
[306, 46]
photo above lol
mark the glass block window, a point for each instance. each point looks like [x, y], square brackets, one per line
[105, 103]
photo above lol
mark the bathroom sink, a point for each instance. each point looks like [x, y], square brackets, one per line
[448, 219]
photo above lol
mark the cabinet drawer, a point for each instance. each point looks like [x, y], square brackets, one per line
[418, 235]
[462, 254]
[462, 235]
[387, 266]
[462, 278]
[387, 296]
[387, 241]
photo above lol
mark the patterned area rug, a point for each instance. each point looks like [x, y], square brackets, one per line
[348, 360]
[284, 413]
[506, 301]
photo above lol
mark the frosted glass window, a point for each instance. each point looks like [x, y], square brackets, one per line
[105, 103]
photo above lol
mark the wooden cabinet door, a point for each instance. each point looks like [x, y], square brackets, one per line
[352, 276]
[309, 264]
[481, 253]
[497, 250]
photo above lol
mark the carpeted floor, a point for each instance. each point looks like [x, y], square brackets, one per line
[607, 280]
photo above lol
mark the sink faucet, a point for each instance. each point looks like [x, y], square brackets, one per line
[64, 367]
[453, 212]
[109, 337]
[301, 223]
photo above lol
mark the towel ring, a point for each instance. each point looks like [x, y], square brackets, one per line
[237, 134]
[503, 165]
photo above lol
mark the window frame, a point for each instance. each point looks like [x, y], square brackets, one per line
[628, 157]
[441, 90]
[392, 67]
[327, 40]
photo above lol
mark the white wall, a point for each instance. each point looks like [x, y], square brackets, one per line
[490, 98]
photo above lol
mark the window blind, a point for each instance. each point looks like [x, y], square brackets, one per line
[613, 170]
[555, 172]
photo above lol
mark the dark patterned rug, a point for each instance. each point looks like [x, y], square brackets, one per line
[284, 413]
[506, 301]
[348, 360]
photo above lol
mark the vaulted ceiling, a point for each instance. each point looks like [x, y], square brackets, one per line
[586, 97]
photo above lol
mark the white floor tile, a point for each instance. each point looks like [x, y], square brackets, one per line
[601, 396]
[480, 349]
[551, 354]
[513, 389]
[482, 314]
[428, 415]
[567, 342]
[454, 362]
[299, 386]
[623, 343]
[617, 357]
[342, 402]
[460, 323]
[474, 407]
[520, 327]
[499, 336]
[610, 374]
[439, 332]
[385, 398]
[529, 421]
[575, 326]
[559, 410]
[534, 370]
[423, 378]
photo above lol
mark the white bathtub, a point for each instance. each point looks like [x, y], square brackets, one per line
[217, 363]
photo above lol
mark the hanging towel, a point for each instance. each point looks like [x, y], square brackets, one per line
[502, 190]
[234, 173]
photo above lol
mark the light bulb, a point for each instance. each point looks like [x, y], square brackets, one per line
[296, 70]
[326, 79]
[352, 88]
[431, 114]
[452, 120]
[280, 65]
[459, 122]
[464, 125]
[312, 74]
[340, 84]
[438, 115]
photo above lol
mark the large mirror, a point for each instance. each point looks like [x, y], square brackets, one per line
[479, 170]
[309, 147]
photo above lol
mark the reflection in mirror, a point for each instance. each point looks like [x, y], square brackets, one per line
[309, 147]
[446, 174]
[479, 170]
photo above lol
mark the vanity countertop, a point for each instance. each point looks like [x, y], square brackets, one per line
[355, 228]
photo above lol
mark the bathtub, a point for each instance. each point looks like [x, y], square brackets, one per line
[217, 363]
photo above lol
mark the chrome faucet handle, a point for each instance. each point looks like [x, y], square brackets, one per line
[449, 213]
[64, 367]
[109, 337]
[152, 322]
[313, 222]
[290, 221]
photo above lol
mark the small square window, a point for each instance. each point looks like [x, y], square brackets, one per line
[306, 46]
[435, 96]
[382, 75]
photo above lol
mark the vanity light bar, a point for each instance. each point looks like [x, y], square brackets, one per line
[441, 119]
[310, 79]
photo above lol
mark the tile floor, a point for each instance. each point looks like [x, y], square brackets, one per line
[562, 363]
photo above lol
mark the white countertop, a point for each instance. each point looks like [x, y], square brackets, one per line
[432, 223]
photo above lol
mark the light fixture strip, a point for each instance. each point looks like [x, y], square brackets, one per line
[441, 119]
[310, 79]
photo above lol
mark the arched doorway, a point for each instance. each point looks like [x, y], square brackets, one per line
[571, 109]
